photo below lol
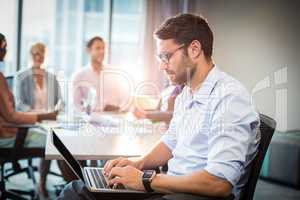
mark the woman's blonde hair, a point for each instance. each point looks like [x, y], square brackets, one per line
[39, 47]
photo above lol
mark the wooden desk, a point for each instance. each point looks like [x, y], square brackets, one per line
[105, 143]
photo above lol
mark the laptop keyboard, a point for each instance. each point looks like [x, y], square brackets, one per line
[98, 178]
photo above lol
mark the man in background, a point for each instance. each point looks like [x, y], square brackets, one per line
[94, 89]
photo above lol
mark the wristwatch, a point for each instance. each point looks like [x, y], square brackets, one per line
[147, 179]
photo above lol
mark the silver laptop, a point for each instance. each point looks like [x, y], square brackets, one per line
[93, 177]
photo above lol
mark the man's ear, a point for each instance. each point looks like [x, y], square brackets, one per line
[2, 44]
[195, 49]
[2, 52]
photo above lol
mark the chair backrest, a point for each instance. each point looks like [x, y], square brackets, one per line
[11, 153]
[267, 127]
[19, 151]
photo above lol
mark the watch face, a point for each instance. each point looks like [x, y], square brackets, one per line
[148, 173]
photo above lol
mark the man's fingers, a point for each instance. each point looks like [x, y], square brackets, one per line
[106, 166]
[109, 165]
[116, 171]
[122, 163]
[116, 180]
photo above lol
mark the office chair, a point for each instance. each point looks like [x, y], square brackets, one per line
[13, 155]
[267, 127]
[10, 80]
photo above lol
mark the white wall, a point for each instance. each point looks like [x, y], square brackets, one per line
[253, 40]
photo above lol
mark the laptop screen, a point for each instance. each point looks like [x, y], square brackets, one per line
[72, 162]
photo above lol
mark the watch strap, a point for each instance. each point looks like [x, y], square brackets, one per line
[147, 180]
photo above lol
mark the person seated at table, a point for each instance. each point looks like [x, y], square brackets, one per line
[213, 136]
[9, 115]
[38, 90]
[165, 109]
[98, 82]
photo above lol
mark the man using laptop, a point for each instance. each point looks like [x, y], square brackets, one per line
[212, 137]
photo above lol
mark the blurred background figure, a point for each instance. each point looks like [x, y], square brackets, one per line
[38, 90]
[9, 115]
[164, 110]
[95, 87]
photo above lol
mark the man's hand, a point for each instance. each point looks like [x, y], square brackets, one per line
[122, 162]
[128, 176]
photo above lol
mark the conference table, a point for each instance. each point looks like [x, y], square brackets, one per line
[98, 141]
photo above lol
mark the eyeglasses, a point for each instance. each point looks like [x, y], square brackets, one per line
[166, 56]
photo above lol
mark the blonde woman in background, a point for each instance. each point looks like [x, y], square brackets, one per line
[38, 90]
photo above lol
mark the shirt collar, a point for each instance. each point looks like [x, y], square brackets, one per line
[89, 66]
[202, 94]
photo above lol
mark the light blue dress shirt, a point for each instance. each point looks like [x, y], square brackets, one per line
[214, 129]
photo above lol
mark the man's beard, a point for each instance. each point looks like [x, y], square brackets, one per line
[187, 75]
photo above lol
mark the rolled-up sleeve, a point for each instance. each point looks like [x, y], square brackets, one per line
[232, 136]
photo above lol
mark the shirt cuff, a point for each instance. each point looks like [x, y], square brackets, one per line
[224, 171]
[168, 140]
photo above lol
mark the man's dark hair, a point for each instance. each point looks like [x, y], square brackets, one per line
[90, 43]
[184, 28]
